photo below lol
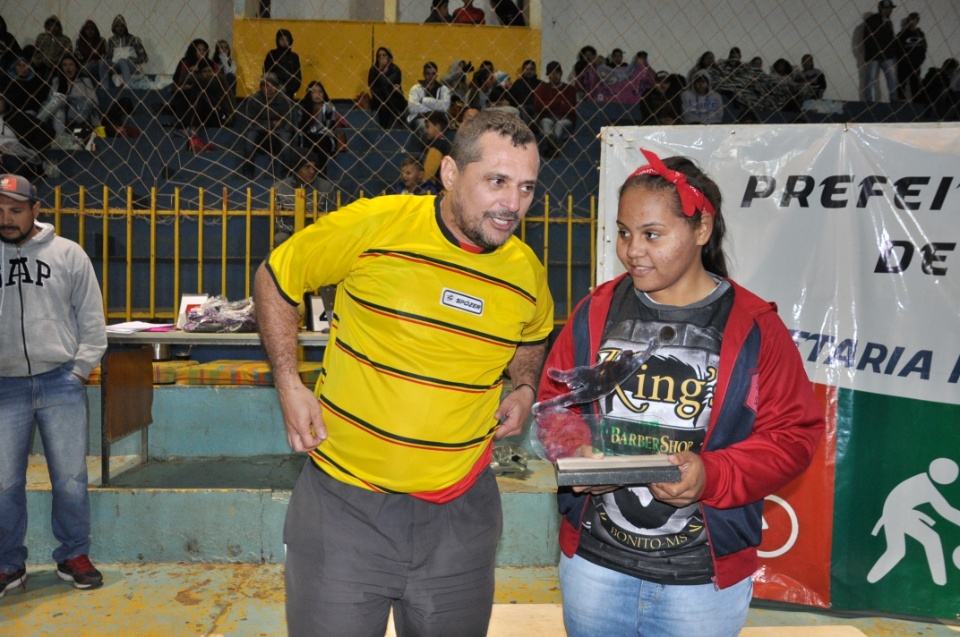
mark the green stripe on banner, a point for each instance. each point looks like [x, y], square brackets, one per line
[897, 476]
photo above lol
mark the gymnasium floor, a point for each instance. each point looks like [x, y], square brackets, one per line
[246, 600]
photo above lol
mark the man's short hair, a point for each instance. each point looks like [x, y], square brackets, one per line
[553, 66]
[466, 145]
[270, 78]
[430, 65]
[438, 118]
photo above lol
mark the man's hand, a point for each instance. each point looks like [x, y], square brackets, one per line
[513, 411]
[692, 480]
[302, 418]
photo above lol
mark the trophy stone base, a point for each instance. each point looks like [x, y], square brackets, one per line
[582, 472]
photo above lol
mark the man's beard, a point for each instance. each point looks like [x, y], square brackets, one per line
[15, 240]
[476, 233]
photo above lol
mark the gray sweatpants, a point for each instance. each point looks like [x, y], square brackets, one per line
[352, 554]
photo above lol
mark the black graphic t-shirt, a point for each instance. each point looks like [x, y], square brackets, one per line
[664, 408]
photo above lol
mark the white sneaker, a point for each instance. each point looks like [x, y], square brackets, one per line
[117, 81]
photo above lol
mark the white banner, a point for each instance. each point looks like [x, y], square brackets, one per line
[854, 231]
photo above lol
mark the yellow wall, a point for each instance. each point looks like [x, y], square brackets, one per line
[340, 53]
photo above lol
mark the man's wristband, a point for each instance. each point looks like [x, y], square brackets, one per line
[532, 388]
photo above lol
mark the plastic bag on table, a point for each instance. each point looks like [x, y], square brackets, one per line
[217, 314]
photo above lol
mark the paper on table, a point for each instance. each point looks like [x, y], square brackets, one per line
[134, 326]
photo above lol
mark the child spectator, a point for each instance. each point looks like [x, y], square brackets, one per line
[228, 66]
[438, 146]
[411, 180]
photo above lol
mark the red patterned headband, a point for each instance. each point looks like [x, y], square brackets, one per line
[691, 199]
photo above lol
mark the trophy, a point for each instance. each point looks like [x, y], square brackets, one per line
[579, 444]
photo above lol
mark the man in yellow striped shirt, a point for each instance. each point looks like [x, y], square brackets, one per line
[436, 298]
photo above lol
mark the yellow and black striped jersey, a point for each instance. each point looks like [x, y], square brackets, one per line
[422, 332]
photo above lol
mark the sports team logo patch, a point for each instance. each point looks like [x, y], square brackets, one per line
[461, 301]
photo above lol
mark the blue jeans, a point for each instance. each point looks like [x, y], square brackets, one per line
[57, 402]
[889, 68]
[600, 601]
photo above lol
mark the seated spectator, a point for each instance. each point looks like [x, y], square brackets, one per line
[615, 60]
[269, 121]
[939, 91]
[705, 63]
[555, 104]
[469, 14]
[581, 76]
[52, 44]
[284, 63]
[9, 47]
[91, 49]
[228, 66]
[322, 129]
[757, 63]
[481, 84]
[426, 96]
[303, 175]
[734, 56]
[522, 90]
[792, 84]
[648, 77]
[386, 93]
[508, 13]
[72, 104]
[438, 146]
[15, 156]
[411, 180]
[662, 105]
[499, 100]
[26, 93]
[812, 77]
[439, 13]
[202, 101]
[701, 104]
[197, 50]
[456, 79]
[125, 54]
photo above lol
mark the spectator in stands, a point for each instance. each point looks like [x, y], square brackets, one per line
[411, 180]
[284, 63]
[508, 13]
[202, 101]
[706, 63]
[72, 104]
[125, 54]
[469, 14]
[26, 93]
[481, 84]
[438, 146]
[734, 55]
[936, 93]
[662, 104]
[556, 107]
[228, 66]
[9, 47]
[322, 129]
[52, 44]
[426, 96]
[499, 100]
[701, 104]
[197, 50]
[812, 76]
[793, 89]
[386, 92]
[15, 156]
[304, 175]
[913, 51]
[584, 76]
[270, 119]
[648, 75]
[880, 51]
[91, 49]
[52, 335]
[522, 90]
[615, 60]
[456, 79]
[439, 12]
[757, 63]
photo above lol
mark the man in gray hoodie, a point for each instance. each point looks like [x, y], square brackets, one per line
[52, 335]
